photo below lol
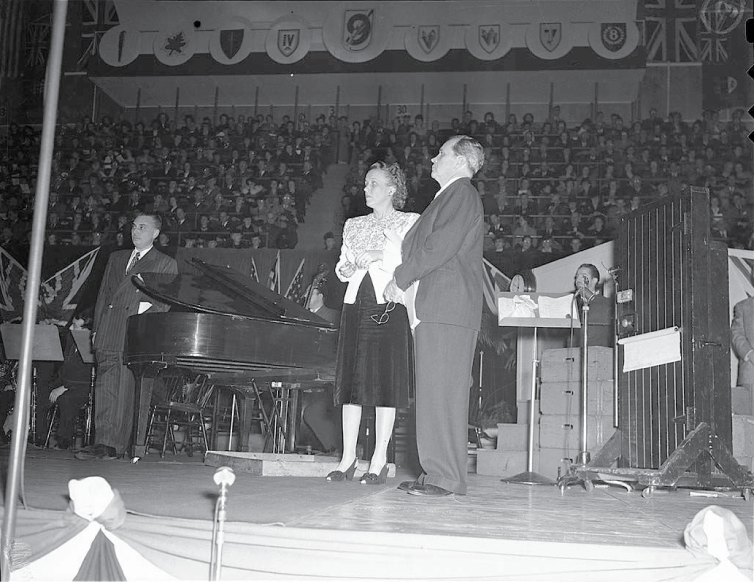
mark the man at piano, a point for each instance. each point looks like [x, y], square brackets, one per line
[118, 299]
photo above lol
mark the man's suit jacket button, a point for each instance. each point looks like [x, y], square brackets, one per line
[110, 306]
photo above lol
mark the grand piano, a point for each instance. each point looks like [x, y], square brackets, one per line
[225, 325]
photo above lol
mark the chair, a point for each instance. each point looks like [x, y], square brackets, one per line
[183, 408]
[53, 414]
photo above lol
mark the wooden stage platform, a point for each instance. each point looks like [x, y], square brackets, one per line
[305, 527]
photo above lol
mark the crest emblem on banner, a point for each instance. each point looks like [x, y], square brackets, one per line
[722, 16]
[288, 40]
[550, 35]
[428, 37]
[231, 41]
[357, 29]
[174, 47]
[489, 37]
[614, 35]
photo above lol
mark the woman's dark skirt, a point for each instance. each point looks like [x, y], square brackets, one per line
[375, 365]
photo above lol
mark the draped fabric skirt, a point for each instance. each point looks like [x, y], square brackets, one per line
[375, 364]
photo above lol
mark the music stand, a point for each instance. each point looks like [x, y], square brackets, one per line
[529, 477]
[46, 348]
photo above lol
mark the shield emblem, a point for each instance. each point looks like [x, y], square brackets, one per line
[231, 41]
[288, 41]
[357, 29]
[489, 37]
[550, 34]
[613, 35]
[428, 37]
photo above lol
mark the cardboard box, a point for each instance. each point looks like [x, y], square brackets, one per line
[565, 397]
[743, 435]
[502, 463]
[564, 432]
[515, 437]
[564, 364]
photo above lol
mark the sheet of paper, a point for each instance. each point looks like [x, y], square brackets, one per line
[651, 349]
[558, 307]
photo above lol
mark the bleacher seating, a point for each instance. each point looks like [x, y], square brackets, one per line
[246, 183]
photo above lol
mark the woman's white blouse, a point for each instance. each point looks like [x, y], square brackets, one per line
[367, 233]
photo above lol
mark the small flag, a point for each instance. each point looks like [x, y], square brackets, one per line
[57, 294]
[254, 274]
[13, 279]
[296, 288]
[273, 280]
[494, 281]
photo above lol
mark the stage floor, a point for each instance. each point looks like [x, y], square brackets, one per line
[607, 518]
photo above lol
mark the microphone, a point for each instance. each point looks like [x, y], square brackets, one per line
[224, 476]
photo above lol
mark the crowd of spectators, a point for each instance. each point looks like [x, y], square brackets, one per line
[549, 188]
[242, 183]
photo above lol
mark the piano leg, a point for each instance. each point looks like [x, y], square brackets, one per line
[246, 414]
[145, 377]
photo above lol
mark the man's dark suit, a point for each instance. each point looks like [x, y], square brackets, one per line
[117, 300]
[443, 251]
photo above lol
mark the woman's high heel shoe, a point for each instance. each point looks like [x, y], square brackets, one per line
[373, 478]
[340, 475]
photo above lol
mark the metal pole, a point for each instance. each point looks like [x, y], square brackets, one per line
[584, 454]
[20, 426]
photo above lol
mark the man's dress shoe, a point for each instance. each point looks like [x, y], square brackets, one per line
[407, 485]
[429, 491]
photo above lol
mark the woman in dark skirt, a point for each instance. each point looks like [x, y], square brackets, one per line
[375, 348]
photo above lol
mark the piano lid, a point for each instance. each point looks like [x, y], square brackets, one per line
[224, 291]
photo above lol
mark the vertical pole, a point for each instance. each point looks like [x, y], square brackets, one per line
[552, 99]
[138, 106]
[295, 108]
[309, 113]
[177, 102]
[337, 102]
[217, 101]
[507, 101]
[256, 101]
[464, 101]
[379, 101]
[196, 113]
[14, 481]
[421, 102]
[596, 100]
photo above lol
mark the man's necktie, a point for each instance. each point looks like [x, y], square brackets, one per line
[133, 262]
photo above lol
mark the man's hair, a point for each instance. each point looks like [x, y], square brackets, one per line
[469, 148]
[156, 218]
[593, 271]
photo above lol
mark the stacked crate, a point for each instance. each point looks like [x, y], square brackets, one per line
[557, 432]
[560, 405]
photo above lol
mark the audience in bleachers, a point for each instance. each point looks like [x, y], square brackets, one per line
[547, 188]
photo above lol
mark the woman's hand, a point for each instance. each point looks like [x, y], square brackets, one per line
[366, 258]
[347, 269]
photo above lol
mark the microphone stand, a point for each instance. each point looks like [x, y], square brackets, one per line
[224, 477]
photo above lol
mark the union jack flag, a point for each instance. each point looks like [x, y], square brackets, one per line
[670, 28]
[97, 17]
[295, 290]
[58, 293]
[273, 279]
[714, 49]
[253, 272]
[13, 279]
[493, 280]
[37, 43]
[11, 35]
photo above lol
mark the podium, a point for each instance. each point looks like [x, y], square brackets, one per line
[555, 311]
[46, 348]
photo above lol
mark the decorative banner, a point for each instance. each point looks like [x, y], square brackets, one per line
[427, 42]
[549, 40]
[356, 36]
[175, 46]
[613, 40]
[289, 39]
[120, 46]
[489, 39]
[231, 43]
